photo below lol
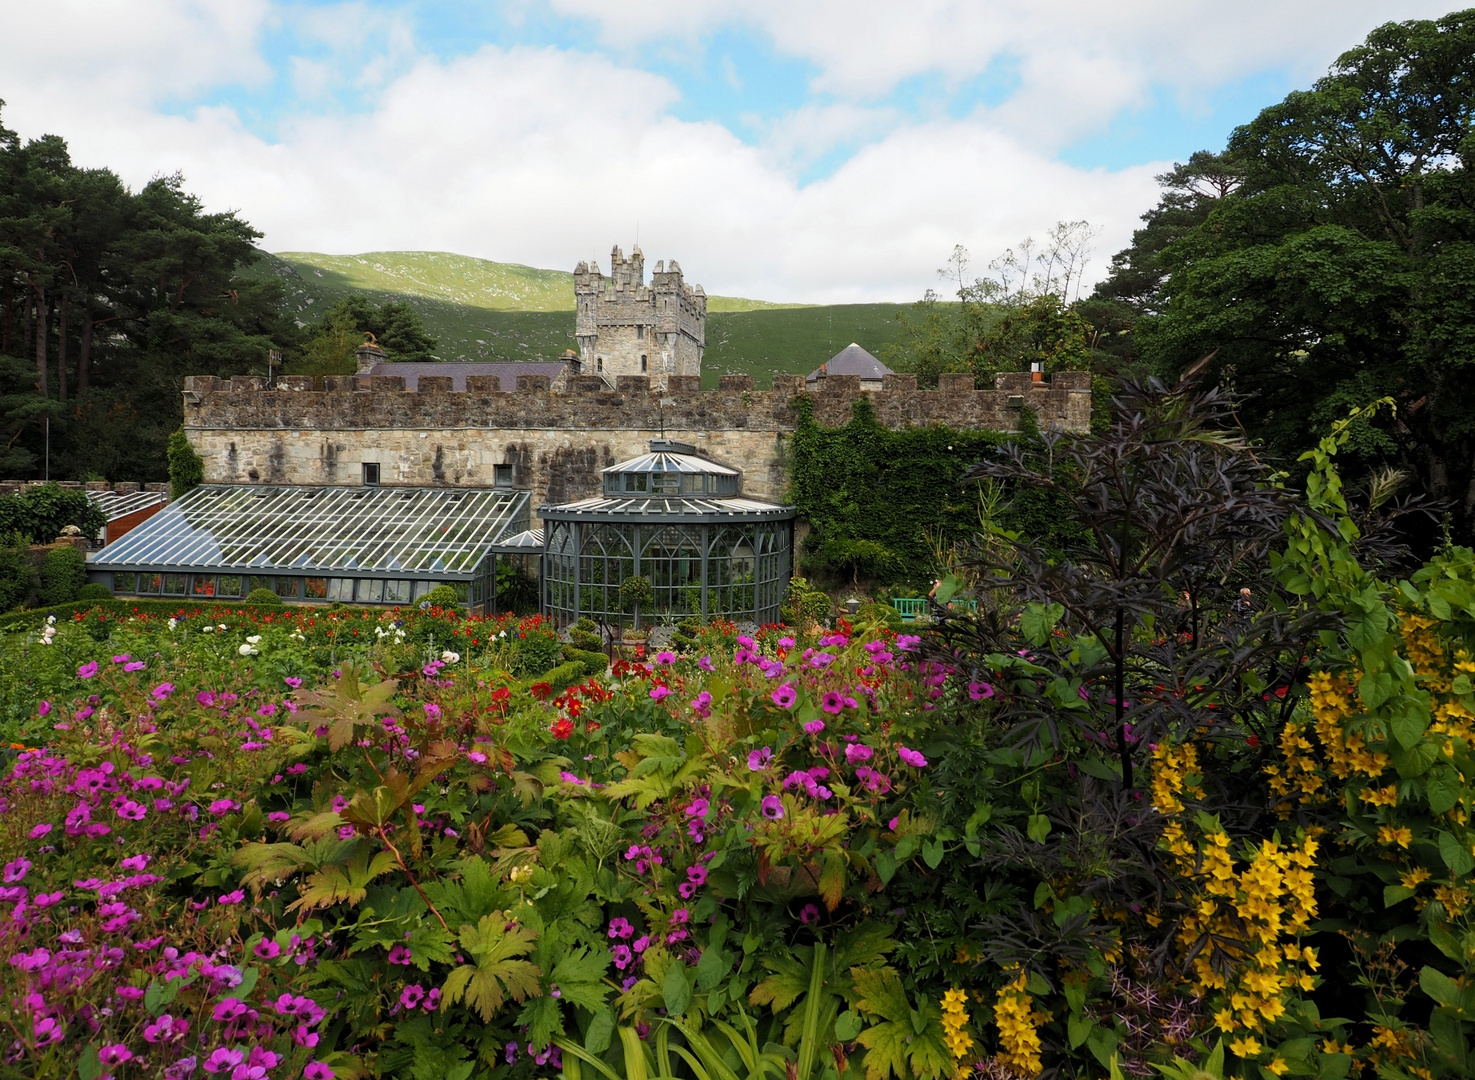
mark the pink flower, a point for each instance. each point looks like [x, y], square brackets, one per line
[40, 831]
[772, 807]
[129, 810]
[316, 1070]
[136, 862]
[116, 1054]
[267, 949]
[43, 709]
[223, 1059]
[234, 897]
[980, 690]
[17, 870]
[809, 913]
[759, 759]
[221, 807]
[659, 693]
[400, 954]
[48, 1030]
[856, 753]
[87, 670]
[136, 665]
[833, 702]
[784, 697]
[411, 995]
[665, 657]
[911, 757]
[814, 727]
[705, 663]
[292, 681]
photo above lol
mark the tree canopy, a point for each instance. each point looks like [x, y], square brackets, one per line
[331, 342]
[1327, 259]
[108, 298]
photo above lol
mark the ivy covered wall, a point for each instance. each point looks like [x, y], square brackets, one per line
[881, 503]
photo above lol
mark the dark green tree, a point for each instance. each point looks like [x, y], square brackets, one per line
[1341, 268]
[63, 573]
[396, 326]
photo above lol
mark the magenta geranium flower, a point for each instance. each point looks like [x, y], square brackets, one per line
[814, 727]
[980, 690]
[911, 757]
[773, 807]
[87, 670]
[17, 870]
[659, 693]
[759, 759]
[784, 697]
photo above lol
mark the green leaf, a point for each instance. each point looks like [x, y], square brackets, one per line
[885, 865]
[159, 994]
[676, 989]
[495, 976]
[1440, 987]
[1395, 894]
[1375, 689]
[1456, 854]
[1408, 729]
[1416, 760]
[848, 1025]
[246, 985]
[1038, 620]
[1442, 788]
[89, 1065]
[1038, 828]
[601, 1030]
[1078, 1030]
[713, 967]
[932, 853]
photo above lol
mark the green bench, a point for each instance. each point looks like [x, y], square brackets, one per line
[910, 607]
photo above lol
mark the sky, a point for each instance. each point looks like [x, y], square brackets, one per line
[821, 151]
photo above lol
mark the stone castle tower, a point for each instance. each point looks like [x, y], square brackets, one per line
[625, 327]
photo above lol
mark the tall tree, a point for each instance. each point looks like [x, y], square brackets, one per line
[1342, 267]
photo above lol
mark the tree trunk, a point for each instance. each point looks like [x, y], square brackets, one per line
[84, 352]
[41, 383]
[61, 347]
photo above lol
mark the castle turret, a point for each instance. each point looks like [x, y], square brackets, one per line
[625, 327]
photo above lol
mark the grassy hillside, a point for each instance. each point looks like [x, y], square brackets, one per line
[482, 310]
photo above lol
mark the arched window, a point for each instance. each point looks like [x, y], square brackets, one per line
[642, 363]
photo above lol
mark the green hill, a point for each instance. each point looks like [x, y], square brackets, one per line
[483, 310]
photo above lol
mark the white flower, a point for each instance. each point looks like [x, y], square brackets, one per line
[51, 620]
[254, 639]
[222, 626]
[450, 657]
[502, 634]
[173, 623]
[45, 640]
[246, 650]
[207, 629]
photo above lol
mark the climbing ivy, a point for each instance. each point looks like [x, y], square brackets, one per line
[882, 504]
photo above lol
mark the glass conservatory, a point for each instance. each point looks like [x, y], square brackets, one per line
[679, 520]
[364, 545]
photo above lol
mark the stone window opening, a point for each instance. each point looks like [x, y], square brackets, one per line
[599, 363]
[642, 363]
[640, 333]
[371, 474]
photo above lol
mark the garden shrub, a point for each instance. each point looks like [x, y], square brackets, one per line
[186, 467]
[804, 604]
[636, 594]
[40, 513]
[263, 596]
[533, 649]
[595, 663]
[443, 596]
[876, 612]
[565, 675]
[63, 573]
[584, 635]
[94, 590]
[19, 581]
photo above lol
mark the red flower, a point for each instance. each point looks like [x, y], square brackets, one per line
[541, 690]
[562, 729]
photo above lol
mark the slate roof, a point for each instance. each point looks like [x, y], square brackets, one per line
[507, 370]
[851, 360]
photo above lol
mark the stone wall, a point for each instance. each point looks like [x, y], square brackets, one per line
[557, 442]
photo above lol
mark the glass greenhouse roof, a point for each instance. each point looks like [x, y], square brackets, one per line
[671, 457]
[325, 529]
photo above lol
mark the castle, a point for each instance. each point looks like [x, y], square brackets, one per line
[550, 428]
[625, 327]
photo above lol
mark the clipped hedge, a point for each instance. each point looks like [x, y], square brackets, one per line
[595, 663]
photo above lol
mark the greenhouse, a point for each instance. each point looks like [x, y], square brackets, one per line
[363, 545]
[682, 522]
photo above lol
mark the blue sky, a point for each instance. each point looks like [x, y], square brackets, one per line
[793, 149]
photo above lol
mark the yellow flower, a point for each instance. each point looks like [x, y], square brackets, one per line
[1224, 1020]
[1247, 1047]
[1414, 878]
[1387, 834]
[1387, 796]
[1277, 1066]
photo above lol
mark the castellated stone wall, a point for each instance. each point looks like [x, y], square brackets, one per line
[557, 442]
[625, 327]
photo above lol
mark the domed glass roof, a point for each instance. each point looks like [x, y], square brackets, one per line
[673, 469]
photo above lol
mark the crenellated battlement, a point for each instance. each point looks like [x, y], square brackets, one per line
[322, 431]
[382, 401]
[625, 327]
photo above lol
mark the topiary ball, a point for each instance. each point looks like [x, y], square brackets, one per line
[94, 591]
[263, 596]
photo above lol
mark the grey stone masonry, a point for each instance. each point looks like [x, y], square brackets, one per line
[558, 441]
[625, 327]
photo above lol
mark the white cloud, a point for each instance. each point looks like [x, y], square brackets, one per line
[546, 156]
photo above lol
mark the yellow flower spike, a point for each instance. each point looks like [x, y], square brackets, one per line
[1246, 1047]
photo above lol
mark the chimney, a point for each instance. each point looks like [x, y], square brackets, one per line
[369, 354]
[571, 361]
[1037, 372]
